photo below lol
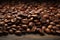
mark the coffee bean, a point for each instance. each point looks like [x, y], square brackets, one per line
[11, 31]
[17, 32]
[28, 30]
[49, 26]
[47, 30]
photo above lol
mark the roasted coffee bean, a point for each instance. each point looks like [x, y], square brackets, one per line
[11, 31]
[13, 20]
[17, 32]
[49, 26]
[5, 31]
[43, 27]
[31, 23]
[24, 27]
[1, 31]
[24, 20]
[13, 26]
[1, 22]
[31, 19]
[18, 27]
[47, 30]
[28, 30]
[52, 23]
[58, 31]
[14, 29]
[33, 29]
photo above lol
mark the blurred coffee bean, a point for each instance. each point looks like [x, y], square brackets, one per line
[47, 30]
[24, 21]
[17, 32]
[11, 31]
[49, 26]
[28, 30]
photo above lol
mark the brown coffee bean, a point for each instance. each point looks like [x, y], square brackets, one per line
[14, 29]
[38, 23]
[31, 23]
[43, 27]
[17, 32]
[57, 25]
[53, 31]
[11, 31]
[19, 18]
[31, 19]
[24, 21]
[58, 31]
[34, 15]
[47, 30]
[35, 20]
[47, 21]
[6, 24]
[1, 22]
[6, 20]
[18, 26]
[1, 31]
[13, 20]
[55, 28]
[45, 16]
[24, 26]
[49, 26]
[5, 31]
[33, 29]
[58, 15]
[13, 26]
[9, 16]
[51, 8]
[28, 30]
[40, 31]
[1, 28]
[8, 27]
[52, 23]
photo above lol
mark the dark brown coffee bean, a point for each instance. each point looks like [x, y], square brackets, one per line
[13, 20]
[1, 22]
[33, 29]
[1, 31]
[45, 16]
[58, 31]
[17, 32]
[11, 31]
[31, 19]
[31, 23]
[43, 27]
[52, 23]
[13, 26]
[51, 8]
[52, 31]
[14, 29]
[24, 26]
[28, 30]
[47, 30]
[24, 20]
[5, 31]
[6, 20]
[49, 26]
[6, 24]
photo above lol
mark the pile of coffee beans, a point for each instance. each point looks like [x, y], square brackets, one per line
[30, 18]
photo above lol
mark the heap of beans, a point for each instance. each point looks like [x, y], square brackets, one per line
[30, 18]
